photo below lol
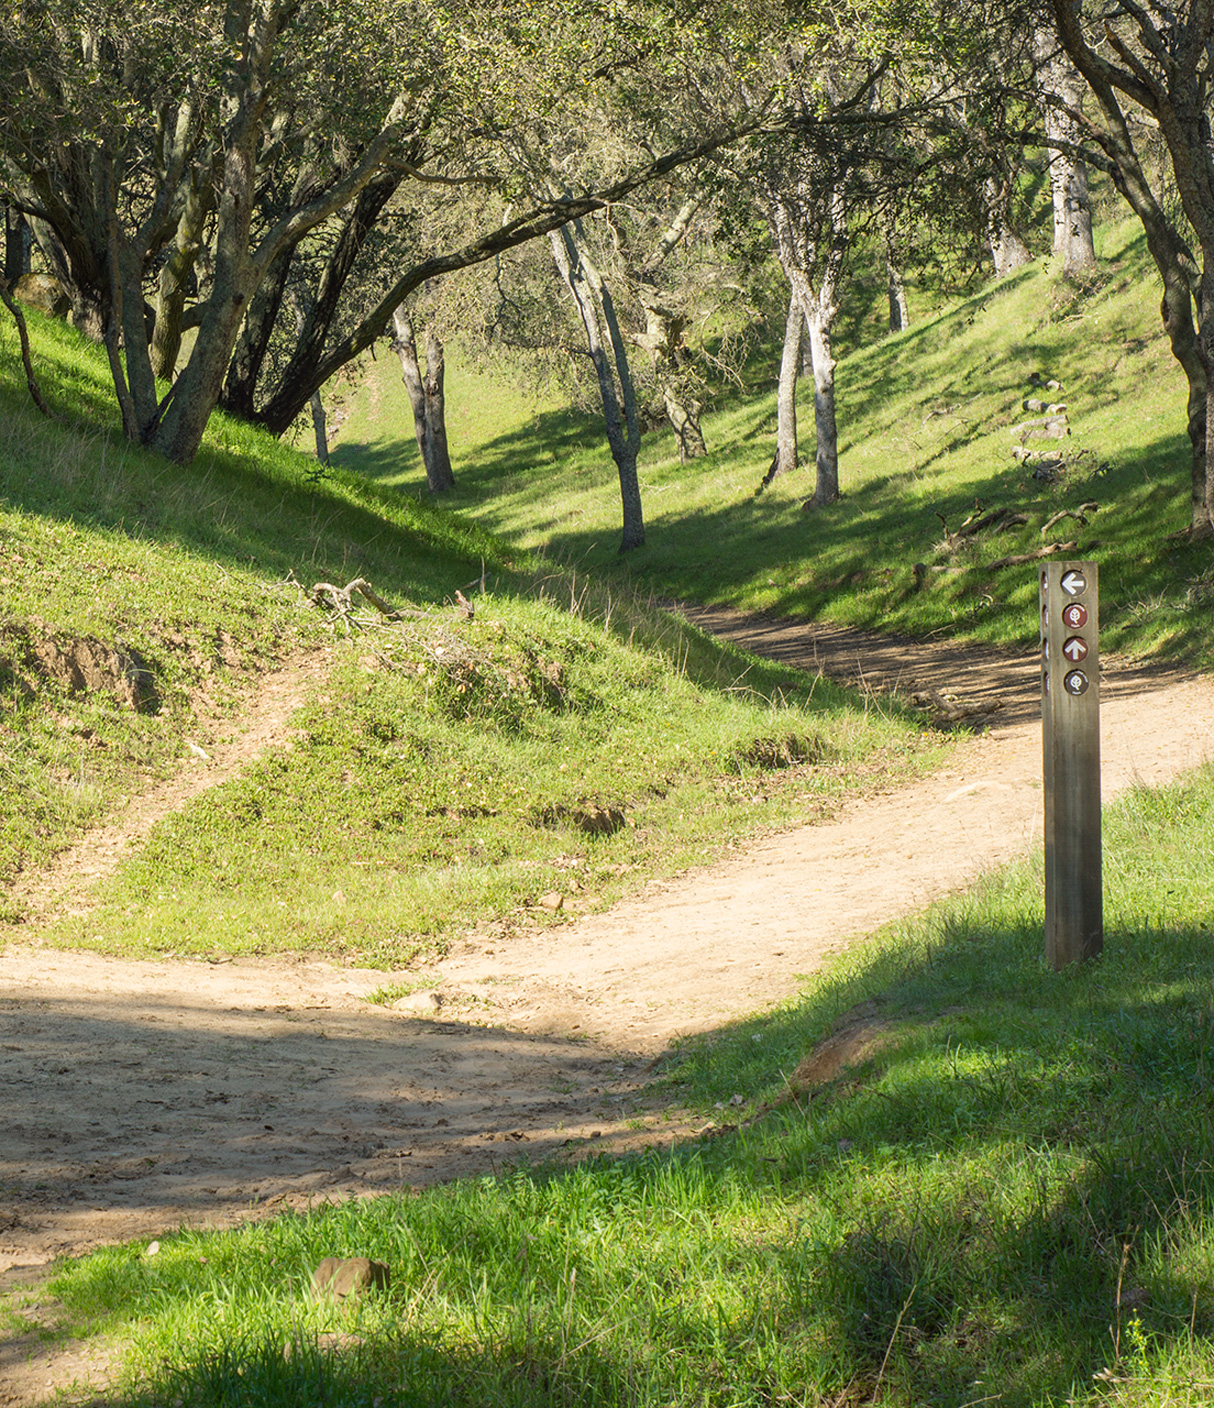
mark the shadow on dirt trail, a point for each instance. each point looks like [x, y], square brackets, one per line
[138, 1096]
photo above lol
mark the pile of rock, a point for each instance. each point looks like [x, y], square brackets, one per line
[1049, 423]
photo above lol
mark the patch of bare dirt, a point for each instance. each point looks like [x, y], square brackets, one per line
[138, 1096]
[63, 887]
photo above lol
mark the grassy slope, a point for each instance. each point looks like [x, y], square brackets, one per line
[1012, 1204]
[924, 433]
[438, 768]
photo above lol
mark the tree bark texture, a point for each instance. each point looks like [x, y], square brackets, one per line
[899, 310]
[1063, 88]
[16, 245]
[786, 395]
[1008, 250]
[427, 399]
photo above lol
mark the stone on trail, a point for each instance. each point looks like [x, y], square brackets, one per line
[350, 1277]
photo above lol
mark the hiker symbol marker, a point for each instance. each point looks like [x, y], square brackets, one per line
[1070, 716]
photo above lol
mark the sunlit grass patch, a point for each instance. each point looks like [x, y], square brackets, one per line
[453, 771]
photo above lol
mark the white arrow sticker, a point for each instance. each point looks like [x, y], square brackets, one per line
[1074, 583]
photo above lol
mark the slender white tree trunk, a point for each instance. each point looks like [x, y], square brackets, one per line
[621, 422]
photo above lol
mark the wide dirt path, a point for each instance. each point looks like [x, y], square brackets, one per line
[135, 1096]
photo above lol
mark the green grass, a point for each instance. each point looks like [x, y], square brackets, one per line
[1010, 1202]
[452, 767]
[924, 422]
[435, 782]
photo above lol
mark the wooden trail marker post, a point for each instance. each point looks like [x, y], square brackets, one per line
[1070, 719]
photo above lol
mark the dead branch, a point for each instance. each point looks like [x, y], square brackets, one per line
[31, 380]
[1078, 514]
[948, 709]
[998, 519]
[1019, 559]
[341, 599]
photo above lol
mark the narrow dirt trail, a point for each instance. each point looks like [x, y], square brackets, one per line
[137, 1096]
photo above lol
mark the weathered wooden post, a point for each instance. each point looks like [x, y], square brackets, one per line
[1070, 717]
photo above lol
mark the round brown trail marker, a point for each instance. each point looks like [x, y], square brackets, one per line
[1070, 731]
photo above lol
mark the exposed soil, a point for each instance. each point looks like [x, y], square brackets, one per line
[138, 1096]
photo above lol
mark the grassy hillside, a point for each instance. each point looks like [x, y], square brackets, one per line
[924, 422]
[430, 786]
[1008, 1200]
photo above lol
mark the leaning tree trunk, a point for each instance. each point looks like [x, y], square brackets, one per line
[596, 311]
[427, 398]
[27, 360]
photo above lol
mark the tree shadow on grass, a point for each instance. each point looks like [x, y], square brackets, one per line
[981, 1211]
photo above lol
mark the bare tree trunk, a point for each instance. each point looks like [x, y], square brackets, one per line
[826, 255]
[404, 344]
[899, 312]
[316, 405]
[786, 396]
[1008, 250]
[1064, 89]
[426, 397]
[784, 461]
[80, 278]
[16, 245]
[819, 315]
[439, 474]
[593, 302]
[319, 430]
[172, 284]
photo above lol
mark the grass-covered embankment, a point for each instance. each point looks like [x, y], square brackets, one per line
[440, 780]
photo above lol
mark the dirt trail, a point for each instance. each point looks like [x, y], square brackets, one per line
[135, 1096]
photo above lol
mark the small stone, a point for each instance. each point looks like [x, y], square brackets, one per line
[350, 1277]
[425, 1000]
[553, 900]
[153, 1248]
